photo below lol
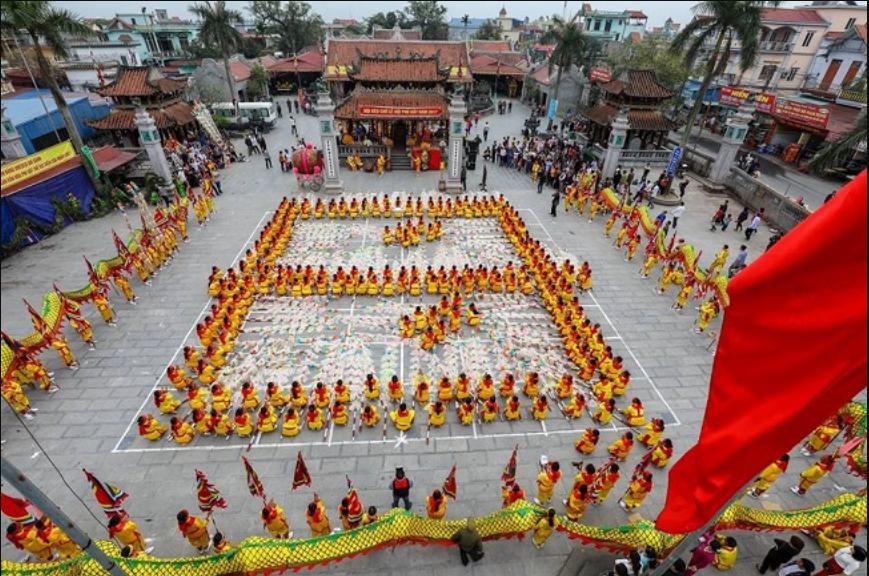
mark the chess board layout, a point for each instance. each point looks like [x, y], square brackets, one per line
[324, 338]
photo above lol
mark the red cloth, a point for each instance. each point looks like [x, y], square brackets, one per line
[792, 352]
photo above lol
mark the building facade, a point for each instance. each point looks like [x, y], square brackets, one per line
[840, 62]
[156, 34]
[612, 25]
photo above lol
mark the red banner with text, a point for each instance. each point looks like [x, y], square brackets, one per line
[803, 113]
[401, 111]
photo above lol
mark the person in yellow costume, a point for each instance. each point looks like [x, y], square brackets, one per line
[394, 389]
[403, 417]
[371, 387]
[544, 528]
[547, 479]
[291, 424]
[769, 475]
[512, 409]
[422, 389]
[17, 399]
[437, 414]
[182, 431]
[314, 417]
[465, 411]
[243, 423]
[622, 447]
[662, 453]
[637, 491]
[194, 529]
[370, 416]
[726, 555]
[648, 264]
[834, 538]
[652, 433]
[473, 316]
[508, 386]
[577, 502]
[381, 164]
[123, 529]
[540, 408]
[317, 519]
[588, 441]
[57, 539]
[267, 419]
[339, 413]
[436, 506]
[489, 410]
[165, 402]
[531, 388]
[150, 428]
[635, 414]
[719, 260]
[822, 436]
[814, 474]
[275, 521]
[576, 406]
[708, 311]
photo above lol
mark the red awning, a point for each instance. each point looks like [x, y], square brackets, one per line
[108, 158]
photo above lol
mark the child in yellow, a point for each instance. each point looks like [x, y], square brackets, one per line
[544, 528]
[291, 426]
[275, 521]
[725, 557]
[546, 482]
[194, 529]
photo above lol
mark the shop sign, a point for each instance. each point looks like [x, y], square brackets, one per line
[600, 75]
[35, 164]
[764, 102]
[401, 111]
[733, 96]
[803, 113]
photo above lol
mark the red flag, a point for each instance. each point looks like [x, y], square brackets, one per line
[16, 509]
[108, 497]
[300, 475]
[509, 473]
[792, 351]
[450, 487]
[207, 493]
[253, 481]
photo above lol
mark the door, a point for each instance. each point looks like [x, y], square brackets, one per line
[830, 75]
[851, 73]
[399, 134]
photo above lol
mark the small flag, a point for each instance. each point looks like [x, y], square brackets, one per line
[509, 473]
[35, 318]
[123, 251]
[207, 493]
[253, 482]
[450, 487]
[301, 476]
[16, 509]
[108, 497]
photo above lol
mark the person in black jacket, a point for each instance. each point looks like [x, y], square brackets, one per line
[401, 486]
[781, 553]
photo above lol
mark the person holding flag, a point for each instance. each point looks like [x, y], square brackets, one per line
[122, 528]
[109, 497]
[436, 506]
[194, 529]
[275, 521]
[317, 519]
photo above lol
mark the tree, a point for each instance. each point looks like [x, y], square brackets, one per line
[216, 28]
[571, 47]
[466, 19]
[488, 31]
[258, 83]
[388, 20]
[650, 53]
[44, 23]
[429, 15]
[725, 23]
[834, 153]
[294, 24]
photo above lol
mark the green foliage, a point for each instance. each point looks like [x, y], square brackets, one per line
[650, 53]
[42, 21]
[430, 16]
[386, 20]
[217, 29]
[835, 153]
[488, 31]
[571, 47]
[257, 85]
[293, 23]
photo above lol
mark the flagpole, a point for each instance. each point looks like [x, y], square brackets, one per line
[30, 491]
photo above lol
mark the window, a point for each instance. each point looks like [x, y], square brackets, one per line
[767, 71]
[596, 25]
[850, 23]
[123, 60]
[808, 39]
[608, 26]
[133, 20]
[617, 37]
[792, 73]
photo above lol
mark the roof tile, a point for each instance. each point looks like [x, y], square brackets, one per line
[398, 70]
[133, 81]
[175, 114]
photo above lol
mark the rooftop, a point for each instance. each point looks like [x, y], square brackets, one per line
[407, 104]
[344, 53]
[792, 16]
[26, 106]
[490, 46]
[175, 114]
[398, 70]
[305, 62]
[637, 84]
[141, 81]
[396, 33]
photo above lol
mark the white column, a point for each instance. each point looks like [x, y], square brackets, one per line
[326, 117]
[456, 149]
[10, 139]
[149, 138]
[618, 135]
[734, 135]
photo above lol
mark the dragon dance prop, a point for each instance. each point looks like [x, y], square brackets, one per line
[58, 305]
[854, 458]
[399, 527]
[683, 253]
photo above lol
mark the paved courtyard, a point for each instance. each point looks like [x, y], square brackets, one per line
[90, 421]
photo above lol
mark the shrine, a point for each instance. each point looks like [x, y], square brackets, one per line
[641, 95]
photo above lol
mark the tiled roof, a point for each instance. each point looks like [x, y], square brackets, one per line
[134, 81]
[638, 84]
[240, 70]
[397, 33]
[542, 75]
[651, 120]
[391, 70]
[485, 64]
[434, 103]
[346, 52]
[791, 15]
[833, 34]
[861, 32]
[304, 62]
[635, 37]
[175, 114]
[635, 14]
[108, 158]
[517, 59]
[490, 46]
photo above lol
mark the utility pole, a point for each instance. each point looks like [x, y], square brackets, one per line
[27, 489]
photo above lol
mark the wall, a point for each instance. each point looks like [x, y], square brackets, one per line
[839, 16]
[852, 50]
[126, 54]
[781, 212]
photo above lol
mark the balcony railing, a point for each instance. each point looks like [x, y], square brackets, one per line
[835, 92]
[654, 157]
[774, 46]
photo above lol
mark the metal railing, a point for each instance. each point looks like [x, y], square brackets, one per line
[775, 46]
[364, 151]
[654, 157]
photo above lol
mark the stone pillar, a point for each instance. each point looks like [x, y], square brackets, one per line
[615, 143]
[456, 150]
[326, 117]
[10, 139]
[149, 138]
[734, 135]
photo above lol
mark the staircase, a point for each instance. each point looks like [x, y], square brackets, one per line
[207, 123]
[400, 162]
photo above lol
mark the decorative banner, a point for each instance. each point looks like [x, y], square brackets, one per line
[300, 474]
[764, 102]
[109, 497]
[16, 509]
[674, 160]
[600, 75]
[401, 111]
[733, 96]
[207, 494]
[254, 486]
[553, 108]
[35, 164]
[803, 113]
[450, 488]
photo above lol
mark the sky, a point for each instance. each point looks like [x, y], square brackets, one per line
[657, 12]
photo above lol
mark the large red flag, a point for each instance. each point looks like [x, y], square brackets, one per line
[792, 351]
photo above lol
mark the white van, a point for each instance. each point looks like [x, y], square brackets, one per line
[249, 113]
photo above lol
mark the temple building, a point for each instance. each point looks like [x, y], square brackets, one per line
[639, 93]
[161, 97]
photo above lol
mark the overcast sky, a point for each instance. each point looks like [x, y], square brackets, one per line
[656, 11]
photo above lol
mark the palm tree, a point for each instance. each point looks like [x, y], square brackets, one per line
[833, 153]
[217, 29]
[723, 22]
[571, 47]
[44, 23]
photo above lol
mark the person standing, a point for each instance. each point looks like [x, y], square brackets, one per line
[293, 128]
[741, 218]
[845, 561]
[268, 160]
[278, 108]
[486, 131]
[469, 542]
[752, 228]
[540, 185]
[683, 185]
[703, 555]
[781, 553]
[261, 141]
[401, 486]
[740, 261]
[464, 178]
[677, 213]
[556, 198]
[544, 528]
[646, 169]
